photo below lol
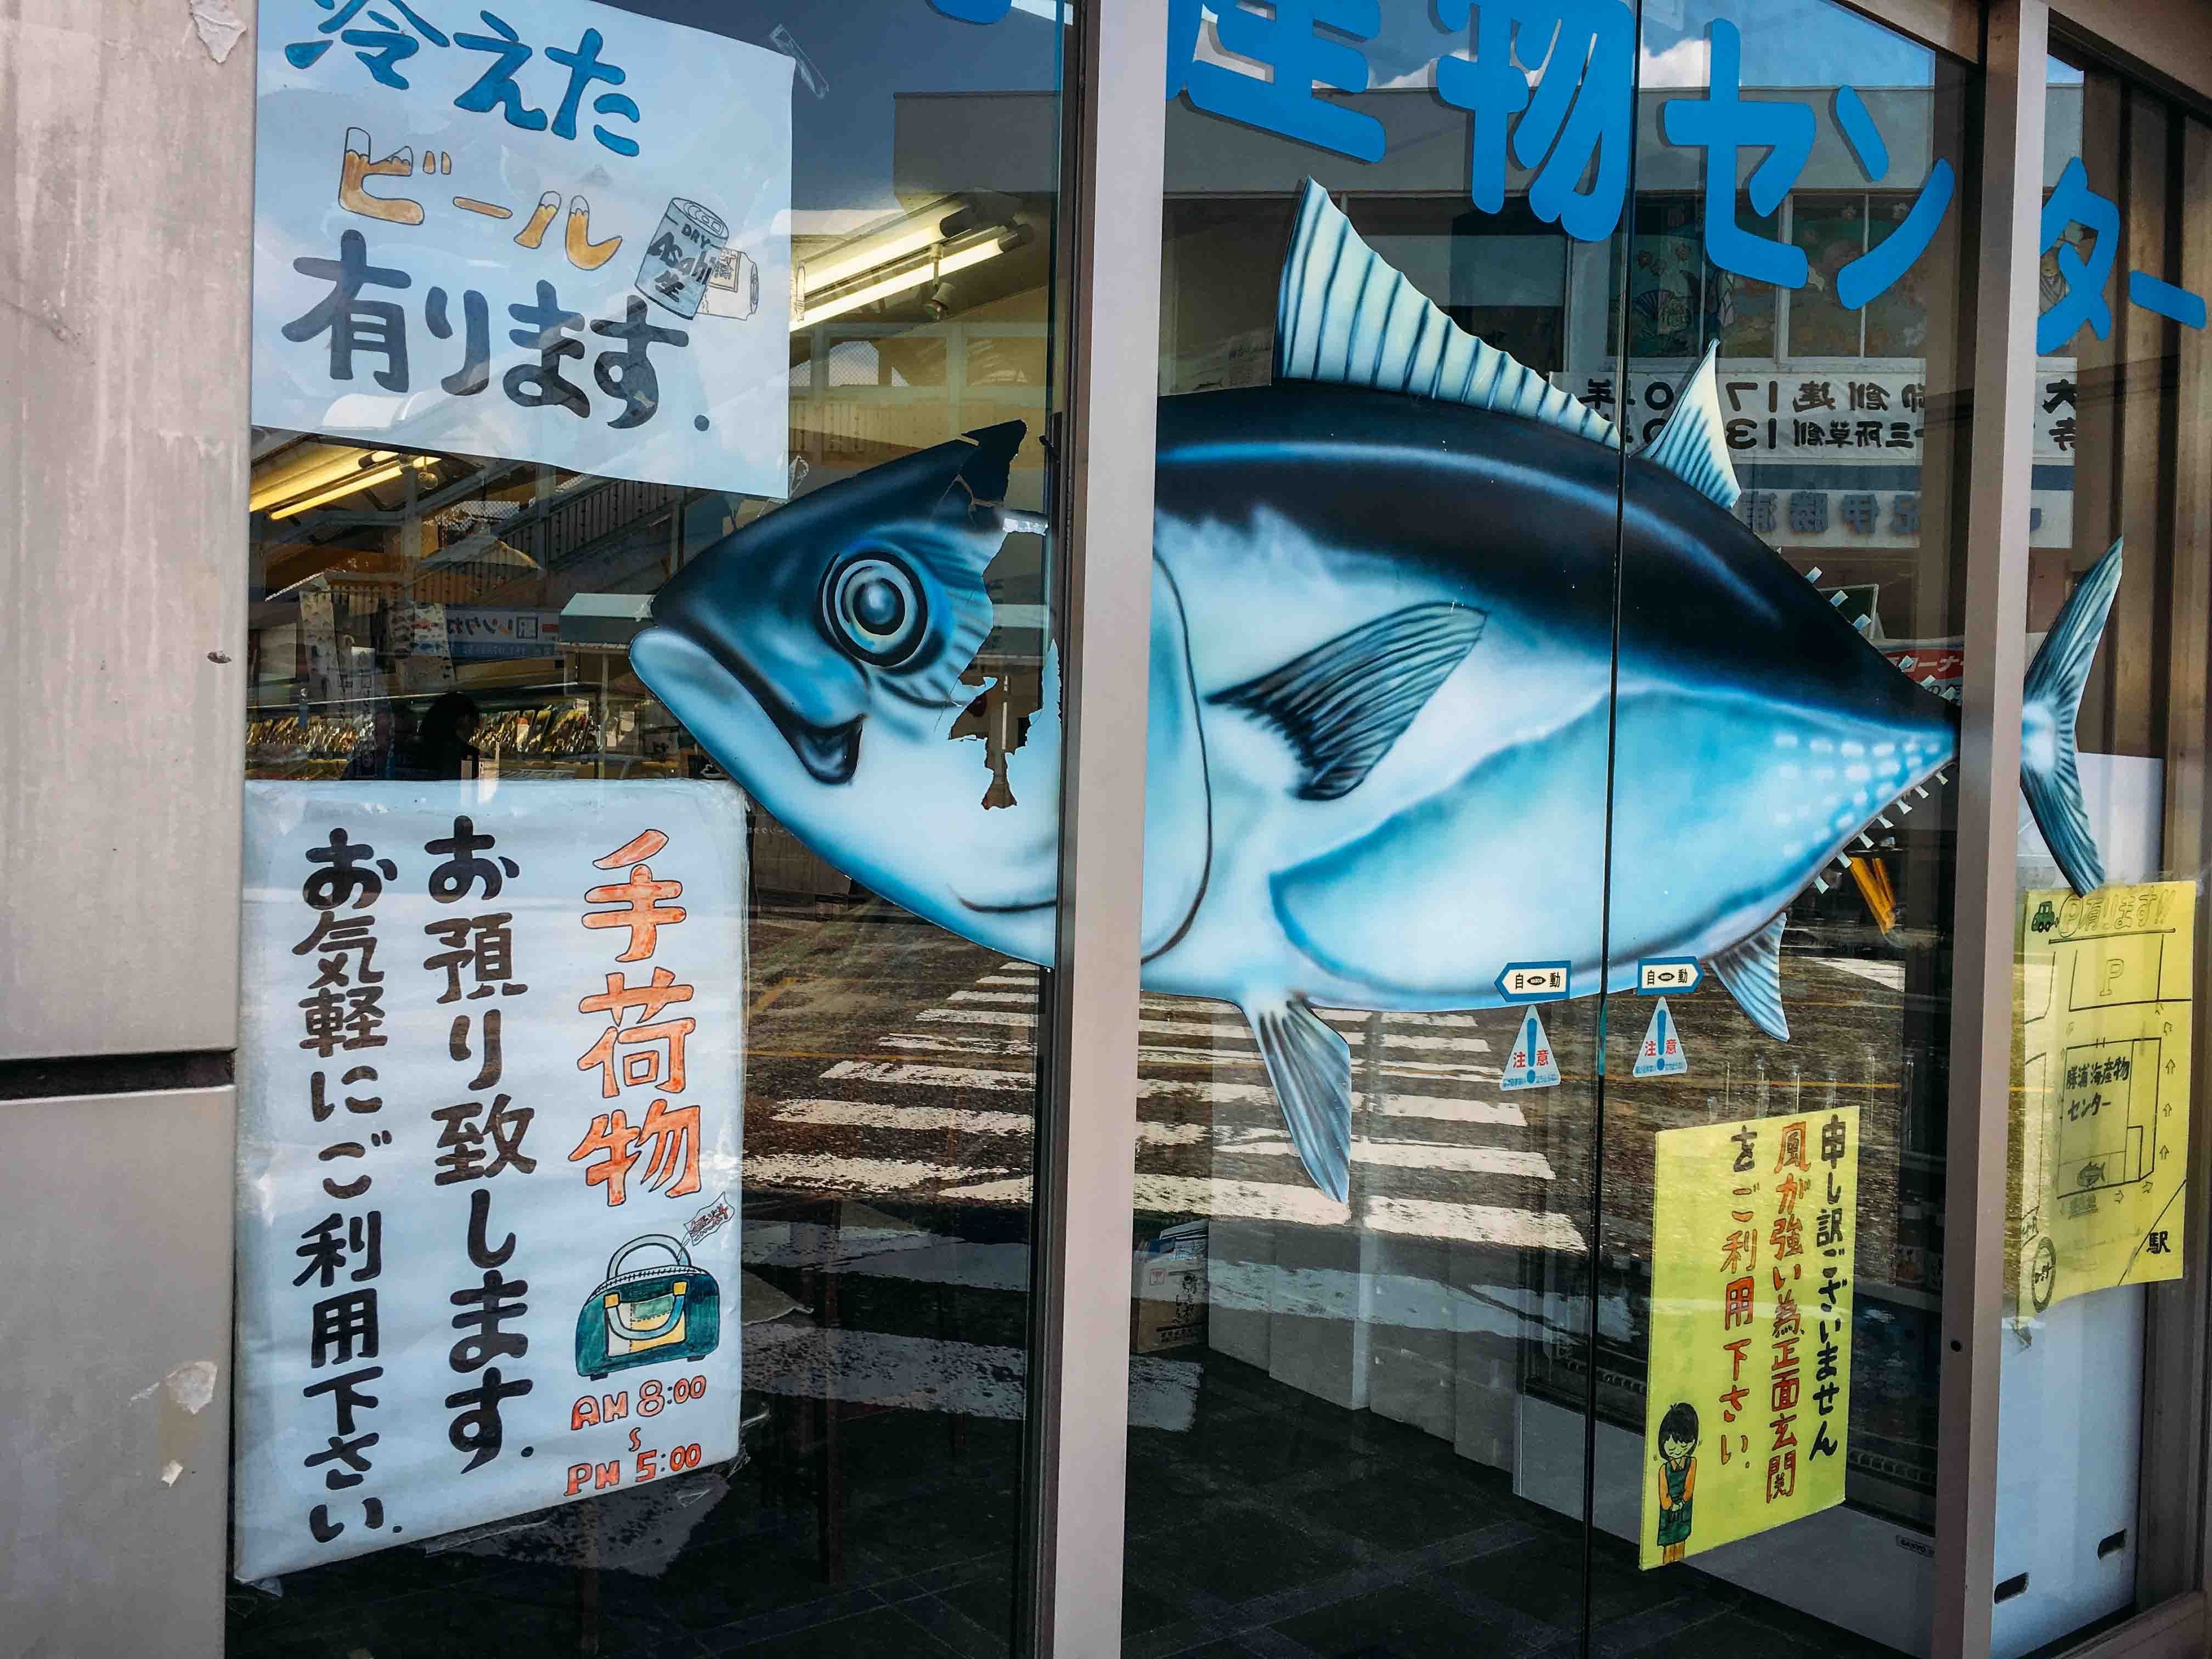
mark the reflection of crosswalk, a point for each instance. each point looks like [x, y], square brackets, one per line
[1888, 973]
[1435, 1153]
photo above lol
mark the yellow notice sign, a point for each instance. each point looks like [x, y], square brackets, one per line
[2104, 1087]
[1749, 1402]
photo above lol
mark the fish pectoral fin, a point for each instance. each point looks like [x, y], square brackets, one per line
[1310, 1066]
[1752, 970]
[1694, 444]
[1344, 703]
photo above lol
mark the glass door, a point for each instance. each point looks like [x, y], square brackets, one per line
[1799, 344]
[2108, 914]
[1363, 1260]
[652, 825]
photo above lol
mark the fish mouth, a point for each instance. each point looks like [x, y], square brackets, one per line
[829, 757]
[829, 753]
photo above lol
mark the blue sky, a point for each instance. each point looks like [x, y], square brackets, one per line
[871, 51]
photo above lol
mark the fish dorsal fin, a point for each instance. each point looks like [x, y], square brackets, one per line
[1343, 704]
[1310, 1066]
[1345, 315]
[1752, 970]
[1694, 444]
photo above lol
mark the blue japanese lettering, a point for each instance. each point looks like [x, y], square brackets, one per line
[1299, 57]
[1723, 124]
[1579, 112]
[496, 88]
[583, 67]
[1870, 275]
[2083, 299]
[2165, 299]
[1855, 122]
[382, 49]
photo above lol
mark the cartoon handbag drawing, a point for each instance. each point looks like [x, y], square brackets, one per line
[672, 1311]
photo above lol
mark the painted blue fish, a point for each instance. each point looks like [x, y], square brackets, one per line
[1384, 698]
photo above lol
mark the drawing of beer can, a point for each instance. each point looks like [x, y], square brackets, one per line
[681, 256]
[734, 285]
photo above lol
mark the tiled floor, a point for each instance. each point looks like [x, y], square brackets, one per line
[1277, 1525]
[1285, 1527]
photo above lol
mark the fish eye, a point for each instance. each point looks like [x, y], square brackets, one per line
[872, 605]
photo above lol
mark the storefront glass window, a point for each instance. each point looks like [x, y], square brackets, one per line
[652, 826]
[2110, 916]
[1356, 1257]
[1776, 1203]
[1632, 892]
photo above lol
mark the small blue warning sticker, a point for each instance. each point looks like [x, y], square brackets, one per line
[1532, 1065]
[1661, 1053]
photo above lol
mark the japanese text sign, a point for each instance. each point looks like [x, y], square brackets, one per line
[1551, 87]
[2103, 1100]
[488, 1112]
[1747, 1411]
[560, 236]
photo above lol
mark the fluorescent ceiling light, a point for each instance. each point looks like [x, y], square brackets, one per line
[350, 486]
[901, 283]
[850, 262]
[326, 466]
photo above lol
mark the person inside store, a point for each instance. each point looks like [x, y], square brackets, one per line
[444, 745]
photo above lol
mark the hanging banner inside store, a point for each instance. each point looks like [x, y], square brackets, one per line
[524, 238]
[490, 1107]
[1747, 1404]
[2106, 1019]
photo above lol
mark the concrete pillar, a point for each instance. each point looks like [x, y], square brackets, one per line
[124, 305]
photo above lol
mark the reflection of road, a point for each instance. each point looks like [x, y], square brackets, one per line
[917, 1083]
[891, 1074]
[889, 1059]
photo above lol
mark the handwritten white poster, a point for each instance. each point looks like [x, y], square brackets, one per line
[556, 233]
[489, 1125]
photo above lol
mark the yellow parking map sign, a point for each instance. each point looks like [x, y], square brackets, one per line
[1748, 1407]
[2103, 1118]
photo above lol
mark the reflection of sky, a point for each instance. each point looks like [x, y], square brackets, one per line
[869, 52]
[1797, 43]
[1785, 42]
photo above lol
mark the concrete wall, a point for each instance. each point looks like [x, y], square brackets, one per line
[127, 126]
[129, 203]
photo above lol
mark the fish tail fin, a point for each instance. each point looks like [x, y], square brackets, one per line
[1310, 1066]
[2050, 703]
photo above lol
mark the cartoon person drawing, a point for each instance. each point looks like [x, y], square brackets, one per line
[1677, 1477]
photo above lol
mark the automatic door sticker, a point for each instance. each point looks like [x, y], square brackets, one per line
[1661, 1053]
[672, 1309]
[1532, 1064]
